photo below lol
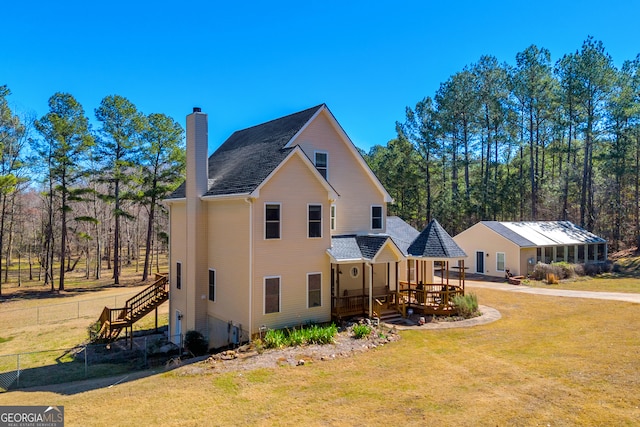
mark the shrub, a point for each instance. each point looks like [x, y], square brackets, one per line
[542, 271]
[308, 335]
[195, 343]
[594, 269]
[361, 330]
[567, 271]
[274, 338]
[466, 305]
[322, 335]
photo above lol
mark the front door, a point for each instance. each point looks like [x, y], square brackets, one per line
[480, 262]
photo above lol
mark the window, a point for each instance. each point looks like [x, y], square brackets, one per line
[314, 285]
[322, 163]
[315, 220]
[272, 221]
[412, 269]
[333, 217]
[178, 275]
[271, 295]
[500, 261]
[376, 217]
[354, 272]
[212, 285]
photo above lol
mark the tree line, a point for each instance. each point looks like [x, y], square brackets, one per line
[534, 140]
[69, 192]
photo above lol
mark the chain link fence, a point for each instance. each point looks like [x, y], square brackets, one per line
[51, 313]
[46, 367]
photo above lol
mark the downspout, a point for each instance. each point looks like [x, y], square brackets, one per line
[250, 202]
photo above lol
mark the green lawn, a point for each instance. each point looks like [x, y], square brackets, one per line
[548, 361]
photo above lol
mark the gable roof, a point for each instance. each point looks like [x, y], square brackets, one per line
[250, 155]
[543, 233]
[353, 248]
[435, 242]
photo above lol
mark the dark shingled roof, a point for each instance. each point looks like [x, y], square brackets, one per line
[248, 156]
[352, 247]
[402, 233]
[435, 242]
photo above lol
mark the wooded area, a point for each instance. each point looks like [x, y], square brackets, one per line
[530, 141]
[69, 193]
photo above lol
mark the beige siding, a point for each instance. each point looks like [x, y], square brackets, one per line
[481, 238]
[229, 250]
[357, 190]
[294, 255]
[178, 242]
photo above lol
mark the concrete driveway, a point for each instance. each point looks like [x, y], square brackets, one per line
[614, 296]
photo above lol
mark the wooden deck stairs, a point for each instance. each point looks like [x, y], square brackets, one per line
[389, 316]
[113, 320]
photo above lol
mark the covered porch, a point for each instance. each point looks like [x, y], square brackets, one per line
[365, 275]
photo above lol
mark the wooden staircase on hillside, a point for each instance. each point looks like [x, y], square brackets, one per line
[113, 320]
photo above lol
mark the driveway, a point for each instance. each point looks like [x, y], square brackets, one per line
[613, 296]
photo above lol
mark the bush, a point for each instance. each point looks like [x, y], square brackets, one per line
[597, 268]
[466, 305]
[195, 343]
[295, 337]
[361, 330]
[274, 338]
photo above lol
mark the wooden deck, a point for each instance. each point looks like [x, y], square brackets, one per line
[430, 299]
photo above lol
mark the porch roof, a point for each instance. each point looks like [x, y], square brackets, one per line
[434, 242]
[351, 247]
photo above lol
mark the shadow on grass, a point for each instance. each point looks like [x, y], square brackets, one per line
[83, 368]
[42, 293]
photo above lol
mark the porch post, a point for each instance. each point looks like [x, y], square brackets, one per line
[370, 290]
[363, 287]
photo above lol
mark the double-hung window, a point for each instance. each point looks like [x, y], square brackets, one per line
[314, 286]
[333, 217]
[322, 163]
[272, 221]
[271, 295]
[376, 217]
[315, 220]
[500, 261]
[212, 285]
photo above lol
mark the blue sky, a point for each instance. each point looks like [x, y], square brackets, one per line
[248, 62]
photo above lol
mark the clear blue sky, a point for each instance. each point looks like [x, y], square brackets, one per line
[248, 62]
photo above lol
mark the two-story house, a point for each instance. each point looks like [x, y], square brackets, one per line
[284, 224]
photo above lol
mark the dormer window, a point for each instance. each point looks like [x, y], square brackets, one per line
[322, 163]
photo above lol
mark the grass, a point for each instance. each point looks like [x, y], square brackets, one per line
[532, 367]
[548, 361]
[603, 283]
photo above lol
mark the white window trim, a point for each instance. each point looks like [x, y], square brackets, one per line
[504, 257]
[264, 235]
[215, 286]
[333, 214]
[264, 294]
[316, 164]
[314, 274]
[381, 217]
[321, 220]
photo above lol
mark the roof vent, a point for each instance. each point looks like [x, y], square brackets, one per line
[197, 109]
